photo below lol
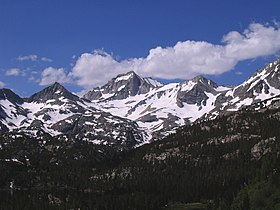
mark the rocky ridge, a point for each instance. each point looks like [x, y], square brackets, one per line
[131, 110]
[166, 107]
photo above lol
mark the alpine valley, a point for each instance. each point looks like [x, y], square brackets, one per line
[135, 143]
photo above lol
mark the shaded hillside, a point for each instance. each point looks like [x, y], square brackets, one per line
[208, 162]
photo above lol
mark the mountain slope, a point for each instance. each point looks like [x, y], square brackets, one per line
[54, 92]
[6, 94]
[55, 111]
[163, 109]
[68, 163]
[263, 84]
[132, 107]
[206, 162]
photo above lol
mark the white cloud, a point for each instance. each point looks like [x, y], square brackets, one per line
[33, 58]
[184, 60]
[51, 75]
[28, 57]
[96, 68]
[258, 40]
[2, 84]
[13, 72]
[45, 59]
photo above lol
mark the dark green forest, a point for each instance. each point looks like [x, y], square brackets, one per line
[231, 162]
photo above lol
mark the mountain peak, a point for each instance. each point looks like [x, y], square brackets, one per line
[126, 77]
[54, 91]
[198, 78]
[269, 68]
[263, 84]
[205, 81]
[159, 110]
[123, 86]
[7, 94]
[57, 84]
[132, 75]
[56, 87]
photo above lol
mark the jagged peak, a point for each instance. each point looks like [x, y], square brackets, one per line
[273, 66]
[55, 88]
[271, 69]
[126, 76]
[268, 68]
[274, 63]
[122, 86]
[132, 75]
[204, 80]
[51, 92]
[56, 84]
[7, 94]
[199, 78]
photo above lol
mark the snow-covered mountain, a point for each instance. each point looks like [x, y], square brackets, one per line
[55, 111]
[262, 85]
[123, 86]
[164, 107]
[130, 110]
[160, 109]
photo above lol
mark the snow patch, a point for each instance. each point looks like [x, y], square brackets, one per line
[125, 77]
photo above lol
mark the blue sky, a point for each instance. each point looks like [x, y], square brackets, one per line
[83, 43]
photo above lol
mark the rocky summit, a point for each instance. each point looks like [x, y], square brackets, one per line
[123, 86]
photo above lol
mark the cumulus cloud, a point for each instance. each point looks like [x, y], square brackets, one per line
[184, 60]
[258, 40]
[93, 69]
[51, 75]
[2, 84]
[13, 72]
